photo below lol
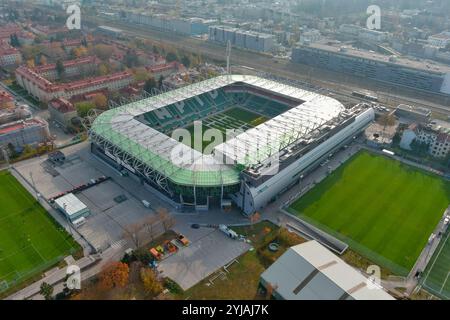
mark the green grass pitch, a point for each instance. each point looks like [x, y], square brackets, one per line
[233, 118]
[437, 275]
[29, 238]
[383, 209]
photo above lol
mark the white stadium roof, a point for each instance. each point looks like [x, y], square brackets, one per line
[121, 127]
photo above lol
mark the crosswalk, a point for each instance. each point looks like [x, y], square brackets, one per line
[118, 244]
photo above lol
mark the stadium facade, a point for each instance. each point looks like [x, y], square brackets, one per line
[251, 168]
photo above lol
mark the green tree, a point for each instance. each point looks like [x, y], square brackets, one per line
[84, 107]
[160, 81]
[186, 61]
[46, 290]
[171, 56]
[60, 69]
[150, 84]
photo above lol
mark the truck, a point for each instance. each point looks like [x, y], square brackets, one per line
[230, 233]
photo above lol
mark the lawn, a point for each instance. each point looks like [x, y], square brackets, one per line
[30, 240]
[437, 276]
[234, 118]
[383, 209]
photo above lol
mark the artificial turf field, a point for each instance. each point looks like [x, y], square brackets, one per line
[383, 209]
[437, 275]
[30, 240]
[234, 118]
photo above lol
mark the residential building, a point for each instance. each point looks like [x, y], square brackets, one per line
[9, 56]
[24, 132]
[62, 111]
[440, 40]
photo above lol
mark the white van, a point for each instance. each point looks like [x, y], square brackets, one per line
[146, 203]
[79, 222]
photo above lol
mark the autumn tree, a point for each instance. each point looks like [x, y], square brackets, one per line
[30, 63]
[100, 101]
[103, 69]
[151, 284]
[103, 51]
[42, 60]
[114, 275]
[141, 74]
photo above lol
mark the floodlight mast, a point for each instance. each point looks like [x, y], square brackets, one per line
[228, 57]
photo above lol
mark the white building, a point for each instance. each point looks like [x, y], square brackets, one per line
[72, 207]
[440, 40]
[309, 271]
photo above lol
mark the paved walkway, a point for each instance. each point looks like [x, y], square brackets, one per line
[53, 278]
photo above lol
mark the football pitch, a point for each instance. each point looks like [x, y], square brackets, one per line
[235, 118]
[437, 275]
[30, 241]
[383, 209]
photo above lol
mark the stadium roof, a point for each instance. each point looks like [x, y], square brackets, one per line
[120, 127]
[309, 271]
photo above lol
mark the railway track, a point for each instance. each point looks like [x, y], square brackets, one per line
[341, 86]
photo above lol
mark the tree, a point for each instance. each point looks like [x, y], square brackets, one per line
[131, 59]
[171, 56]
[100, 101]
[103, 51]
[60, 69]
[166, 218]
[151, 284]
[42, 60]
[160, 81]
[140, 74]
[114, 274]
[46, 290]
[14, 40]
[150, 84]
[186, 61]
[84, 107]
[103, 69]
[30, 63]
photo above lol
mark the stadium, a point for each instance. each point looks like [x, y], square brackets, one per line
[281, 133]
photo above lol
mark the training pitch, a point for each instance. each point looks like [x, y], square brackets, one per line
[30, 241]
[383, 209]
[437, 275]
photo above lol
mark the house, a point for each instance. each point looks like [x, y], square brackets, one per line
[62, 111]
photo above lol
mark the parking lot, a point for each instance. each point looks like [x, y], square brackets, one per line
[105, 225]
[209, 251]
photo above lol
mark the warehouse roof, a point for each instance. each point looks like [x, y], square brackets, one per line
[309, 271]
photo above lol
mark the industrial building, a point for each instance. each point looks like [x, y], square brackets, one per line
[415, 114]
[239, 38]
[250, 169]
[426, 76]
[72, 207]
[309, 271]
[162, 22]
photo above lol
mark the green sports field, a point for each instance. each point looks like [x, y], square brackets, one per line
[234, 118]
[30, 241]
[437, 275]
[383, 209]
